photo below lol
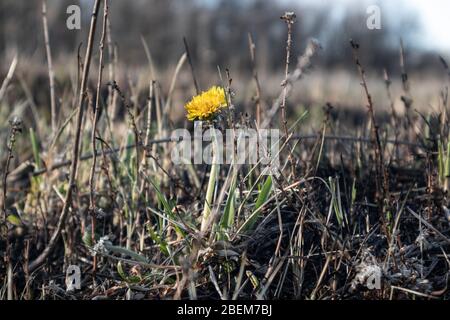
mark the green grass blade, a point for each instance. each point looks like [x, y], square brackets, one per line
[262, 198]
[226, 222]
[35, 148]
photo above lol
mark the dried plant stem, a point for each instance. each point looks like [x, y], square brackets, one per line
[5, 179]
[188, 54]
[289, 18]
[407, 100]
[94, 131]
[321, 137]
[133, 125]
[168, 104]
[16, 126]
[370, 108]
[112, 57]
[387, 83]
[395, 121]
[381, 180]
[257, 96]
[8, 77]
[406, 97]
[149, 116]
[76, 146]
[147, 149]
[151, 66]
[51, 74]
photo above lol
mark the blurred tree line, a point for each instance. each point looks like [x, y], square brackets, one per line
[216, 30]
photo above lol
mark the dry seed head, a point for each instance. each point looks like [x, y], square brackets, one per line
[289, 17]
[16, 123]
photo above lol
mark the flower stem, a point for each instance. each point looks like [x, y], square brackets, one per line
[211, 185]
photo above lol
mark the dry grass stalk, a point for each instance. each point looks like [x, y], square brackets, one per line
[94, 132]
[381, 179]
[191, 65]
[8, 77]
[16, 127]
[112, 67]
[289, 18]
[51, 74]
[76, 146]
[257, 97]
[406, 98]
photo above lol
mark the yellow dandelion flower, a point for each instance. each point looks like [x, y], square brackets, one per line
[205, 105]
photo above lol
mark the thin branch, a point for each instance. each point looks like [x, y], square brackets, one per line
[51, 74]
[76, 146]
[112, 65]
[289, 18]
[188, 54]
[381, 179]
[8, 78]
[94, 130]
[257, 96]
[406, 97]
[16, 127]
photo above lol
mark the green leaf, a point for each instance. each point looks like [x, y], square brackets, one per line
[87, 237]
[157, 239]
[264, 194]
[262, 198]
[123, 275]
[447, 160]
[121, 250]
[120, 271]
[14, 219]
[167, 208]
[335, 200]
[35, 148]
[227, 219]
[441, 161]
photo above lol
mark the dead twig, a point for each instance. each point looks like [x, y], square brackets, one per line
[257, 97]
[8, 77]
[188, 54]
[289, 18]
[381, 181]
[94, 129]
[51, 74]
[76, 146]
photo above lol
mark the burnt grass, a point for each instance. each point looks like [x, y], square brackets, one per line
[320, 257]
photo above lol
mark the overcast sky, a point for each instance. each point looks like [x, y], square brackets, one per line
[433, 15]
